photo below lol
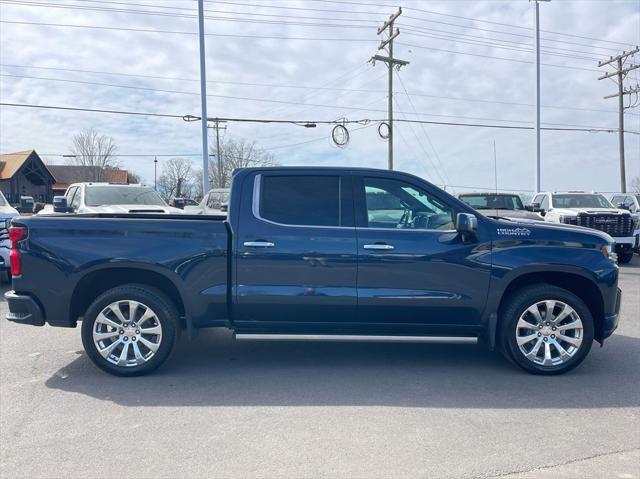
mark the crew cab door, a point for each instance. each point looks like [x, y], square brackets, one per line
[296, 259]
[413, 267]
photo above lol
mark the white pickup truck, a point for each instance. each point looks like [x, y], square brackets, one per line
[110, 198]
[7, 213]
[591, 210]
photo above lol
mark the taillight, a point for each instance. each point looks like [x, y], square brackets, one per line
[16, 234]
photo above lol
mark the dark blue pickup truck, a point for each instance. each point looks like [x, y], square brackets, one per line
[318, 253]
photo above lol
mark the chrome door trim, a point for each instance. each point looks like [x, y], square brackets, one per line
[384, 247]
[259, 244]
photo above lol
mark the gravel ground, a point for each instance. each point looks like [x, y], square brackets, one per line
[287, 410]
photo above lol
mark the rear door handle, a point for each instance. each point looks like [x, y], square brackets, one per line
[259, 244]
[379, 246]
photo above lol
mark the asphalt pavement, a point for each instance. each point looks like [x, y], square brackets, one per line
[221, 408]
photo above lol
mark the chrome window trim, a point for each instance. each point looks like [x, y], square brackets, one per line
[415, 230]
[255, 210]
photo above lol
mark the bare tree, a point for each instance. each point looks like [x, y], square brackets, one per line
[635, 184]
[178, 179]
[235, 154]
[93, 149]
[133, 177]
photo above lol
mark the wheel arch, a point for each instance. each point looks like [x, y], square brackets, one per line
[96, 282]
[583, 287]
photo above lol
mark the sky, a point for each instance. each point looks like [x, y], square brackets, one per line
[308, 60]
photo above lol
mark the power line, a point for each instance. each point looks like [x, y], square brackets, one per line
[427, 155]
[146, 30]
[327, 18]
[424, 131]
[431, 12]
[495, 58]
[24, 3]
[620, 74]
[488, 43]
[285, 102]
[305, 87]
[477, 20]
[231, 19]
[60, 25]
[305, 122]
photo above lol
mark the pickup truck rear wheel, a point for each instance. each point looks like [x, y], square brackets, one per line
[130, 330]
[546, 329]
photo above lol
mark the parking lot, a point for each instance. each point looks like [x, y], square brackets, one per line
[221, 408]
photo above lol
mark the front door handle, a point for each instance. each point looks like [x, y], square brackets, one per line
[379, 246]
[259, 244]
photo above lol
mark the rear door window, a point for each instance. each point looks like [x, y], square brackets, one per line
[302, 200]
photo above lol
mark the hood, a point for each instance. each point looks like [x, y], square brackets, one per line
[543, 231]
[590, 211]
[516, 214]
[125, 209]
[8, 211]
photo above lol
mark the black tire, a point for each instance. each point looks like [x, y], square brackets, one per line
[165, 312]
[518, 303]
[625, 257]
[5, 276]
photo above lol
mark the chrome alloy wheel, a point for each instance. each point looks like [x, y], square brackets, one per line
[127, 333]
[549, 333]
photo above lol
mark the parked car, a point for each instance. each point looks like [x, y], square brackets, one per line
[182, 202]
[299, 258]
[110, 198]
[7, 213]
[630, 202]
[499, 205]
[215, 202]
[591, 210]
[26, 205]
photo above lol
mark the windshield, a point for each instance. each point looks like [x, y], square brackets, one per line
[3, 201]
[580, 201]
[493, 202]
[121, 195]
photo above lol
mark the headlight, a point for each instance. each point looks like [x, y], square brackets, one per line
[608, 251]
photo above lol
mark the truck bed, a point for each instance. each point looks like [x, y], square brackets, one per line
[66, 254]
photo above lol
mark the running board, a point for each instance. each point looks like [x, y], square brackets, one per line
[358, 338]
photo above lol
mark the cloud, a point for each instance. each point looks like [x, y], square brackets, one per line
[443, 154]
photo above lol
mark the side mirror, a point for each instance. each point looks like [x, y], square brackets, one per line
[623, 206]
[535, 207]
[60, 205]
[466, 225]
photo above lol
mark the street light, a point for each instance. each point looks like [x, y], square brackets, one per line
[536, 170]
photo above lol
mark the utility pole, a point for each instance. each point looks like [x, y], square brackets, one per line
[536, 169]
[218, 127]
[391, 63]
[155, 173]
[203, 101]
[621, 72]
[495, 166]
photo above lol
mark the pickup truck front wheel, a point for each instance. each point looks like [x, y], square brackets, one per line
[130, 330]
[546, 329]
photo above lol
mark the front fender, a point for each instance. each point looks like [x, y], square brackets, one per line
[514, 262]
